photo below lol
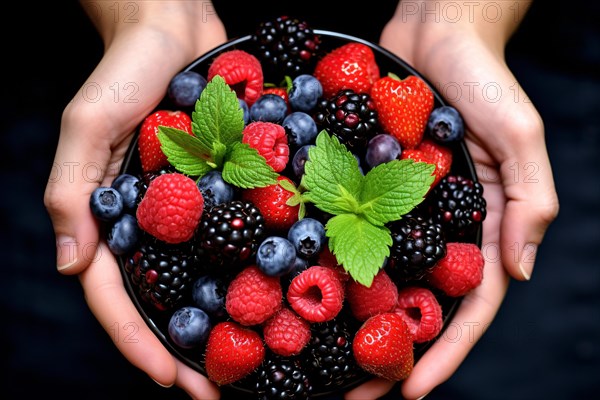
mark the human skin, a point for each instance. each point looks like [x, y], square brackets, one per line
[165, 36]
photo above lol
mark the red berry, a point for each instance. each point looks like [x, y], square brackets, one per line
[171, 208]
[151, 155]
[286, 333]
[403, 107]
[316, 294]
[433, 153]
[232, 353]
[378, 298]
[270, 140]
[241, 71]
[383, 347]
[460, 271]
[421, 311]
[253, 297]
[350, 66]
[271, 201]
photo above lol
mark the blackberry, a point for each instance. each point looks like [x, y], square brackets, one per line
[228, 235]
[418, 244]
[330, 354]
[162, 273]
[282, 378]
[350, 116]
[457, 203]
[286, 46]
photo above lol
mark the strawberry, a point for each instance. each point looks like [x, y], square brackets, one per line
[403, 107]
[232, 352]
[433, 153]
[460, 271]
[383, 346]
[171, 208]
[271, 201]
[151, 154]
[350, 66]
[270, 140]
[240, 70]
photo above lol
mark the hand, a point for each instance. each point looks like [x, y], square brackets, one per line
[141, 56]
[506, 140]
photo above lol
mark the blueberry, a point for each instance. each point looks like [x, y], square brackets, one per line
[445, 125]
[123, 235]
[208, 294]
[185, 88]
[106, 203]
[276, 256]
[214, 189]
[304, 93]
[189, 327]
[308, 237]
[269, 108]
[245, 109]
[381, 149]
[301, 128]
[128, 186]
[299, 159]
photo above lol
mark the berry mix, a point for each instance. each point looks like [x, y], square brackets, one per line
[296, 222]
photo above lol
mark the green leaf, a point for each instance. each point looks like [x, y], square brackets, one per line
[183, 151]
[245, 168]
[218, 154]
[296, 199]
[332, 176]
[217, 116]
[359, 246]
[392, 189]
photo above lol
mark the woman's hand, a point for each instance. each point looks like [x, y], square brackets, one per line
[144, 48]
[465, 62]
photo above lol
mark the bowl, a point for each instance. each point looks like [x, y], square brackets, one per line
[388, 62]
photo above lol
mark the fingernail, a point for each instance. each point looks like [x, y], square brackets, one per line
[422, 397]
[527, 260]
[66, 252]
[160, 384]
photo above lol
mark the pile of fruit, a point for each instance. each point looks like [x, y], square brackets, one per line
[295, 223]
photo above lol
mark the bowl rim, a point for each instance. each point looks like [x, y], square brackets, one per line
[128, 159]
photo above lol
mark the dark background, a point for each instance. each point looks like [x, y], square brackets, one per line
[545, 341]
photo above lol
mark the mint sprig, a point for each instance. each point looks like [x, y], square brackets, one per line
[361, 205]
[216, 144]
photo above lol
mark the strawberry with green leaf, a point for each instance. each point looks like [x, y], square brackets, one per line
[403, 106]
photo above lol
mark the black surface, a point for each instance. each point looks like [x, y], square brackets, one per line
[544, 342]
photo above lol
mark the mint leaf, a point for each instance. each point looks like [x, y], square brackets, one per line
[392, 189]
[359, 246]
[217, 116]
[332, 176]
[296, 199]
[183, 151]
[245, 168]
[218, 154]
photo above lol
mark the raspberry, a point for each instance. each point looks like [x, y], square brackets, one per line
[327, 259]
[286, 333]
[253, 297]
[316, 294]
[378, 298]
[421, 312]
[460, 271]
[240, 70]
[270, 140]
[171, 208]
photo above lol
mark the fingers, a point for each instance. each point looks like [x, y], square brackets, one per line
[195, 384]
[109, 302]
[373, 389]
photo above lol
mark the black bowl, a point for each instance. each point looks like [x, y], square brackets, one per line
[388, 62]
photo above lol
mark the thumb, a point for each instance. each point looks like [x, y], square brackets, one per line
[79, 167]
